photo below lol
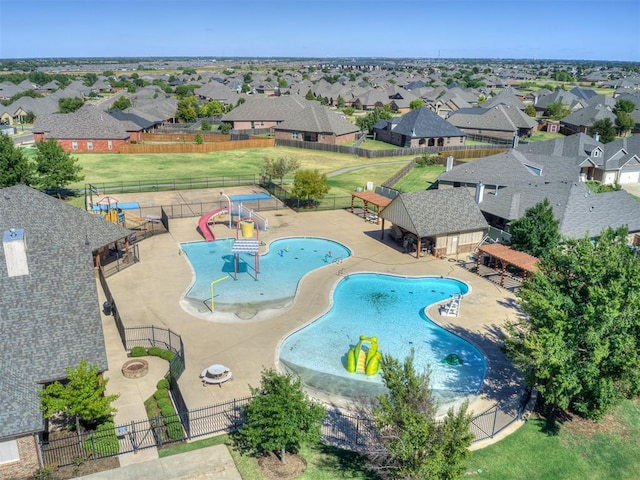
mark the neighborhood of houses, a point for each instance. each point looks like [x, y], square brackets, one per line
[304, 106]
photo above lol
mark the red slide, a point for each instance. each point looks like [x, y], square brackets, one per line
[203, 223]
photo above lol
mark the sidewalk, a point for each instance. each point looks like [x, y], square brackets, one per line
[205, 464]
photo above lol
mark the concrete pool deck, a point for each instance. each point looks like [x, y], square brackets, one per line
[149, 293]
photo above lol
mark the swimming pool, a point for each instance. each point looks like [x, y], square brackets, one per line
[390, 308]
[250, 197]
[281, 269]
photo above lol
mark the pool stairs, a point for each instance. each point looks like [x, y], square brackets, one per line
[452, 307]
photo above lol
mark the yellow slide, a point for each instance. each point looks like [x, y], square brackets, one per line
[361, 360]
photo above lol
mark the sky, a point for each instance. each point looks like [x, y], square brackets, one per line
[523, 29]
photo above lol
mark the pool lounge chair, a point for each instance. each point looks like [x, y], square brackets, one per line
[452, 307]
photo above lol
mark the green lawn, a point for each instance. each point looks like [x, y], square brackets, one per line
[99, 168]
[342, 185]
[583, 451]
[419, 178]
[323, 462]
[541, 136]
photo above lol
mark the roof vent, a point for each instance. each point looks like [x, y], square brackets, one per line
[15, 252]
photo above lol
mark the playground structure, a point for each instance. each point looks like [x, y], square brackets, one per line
[245, 243]
[364, 357]
[240, 211]
[108, 208]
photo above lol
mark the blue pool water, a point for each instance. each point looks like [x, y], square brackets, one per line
[281, 269]
[122, 206]
[250, 197]
[392, 309]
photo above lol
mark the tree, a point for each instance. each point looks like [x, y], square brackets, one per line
[122, 103]
[605, 130]
[90, 78]
[416, 104]
[280, 417]
[370, 119]
[226, 127]
[624, 122]
[280, 167]
[15, 168]
[205, 125]
[55, 168]
[213, 108]
[579, 342]
[624, 106]
[282, 83]
[187, 109]
[198, 139]
[531, 111]
[69, 105]
[81, 398]
[537, 232]
[557, 110]
[415, 445]
[310, 185]
[310, 95]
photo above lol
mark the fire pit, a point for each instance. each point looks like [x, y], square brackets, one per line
[135, 368]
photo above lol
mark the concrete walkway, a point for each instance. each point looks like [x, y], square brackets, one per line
[150, 293]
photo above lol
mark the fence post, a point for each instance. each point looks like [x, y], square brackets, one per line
[495, 418]
[93, 446]
[158, 432]
[132, 437]
[153, 336]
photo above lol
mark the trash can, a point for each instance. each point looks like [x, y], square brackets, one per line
[106, 307]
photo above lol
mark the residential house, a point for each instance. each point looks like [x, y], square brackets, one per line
[49, 311]
[442, 222]
[608, 163]
[500, 122]
[316, 123]
[418, 128]
[508, 184]
[88, 129]
[581, 120]
[568, 99]
[264, 112]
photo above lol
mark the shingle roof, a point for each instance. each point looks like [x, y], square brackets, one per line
[423, 123]
[49, 319]
[317, 118]
[266, 109]
[589, 115]
[435, 212]
[500, 117]
[88, 122]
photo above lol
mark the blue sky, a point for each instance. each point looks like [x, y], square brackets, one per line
[562, 29]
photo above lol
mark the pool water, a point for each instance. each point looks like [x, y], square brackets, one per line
[392, 309]
[281, 269]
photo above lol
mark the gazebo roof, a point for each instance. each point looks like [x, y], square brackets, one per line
[522, 260]
[378, 200]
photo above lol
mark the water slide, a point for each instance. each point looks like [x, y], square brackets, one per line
[203, 223]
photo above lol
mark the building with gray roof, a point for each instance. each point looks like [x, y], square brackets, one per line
[49, 308]
[418, 128]
[501, 122]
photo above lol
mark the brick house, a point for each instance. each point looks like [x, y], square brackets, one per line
[418, 128]
[88, 129]
[316, 123]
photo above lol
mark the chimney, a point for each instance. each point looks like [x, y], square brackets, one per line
[15, 252]
[479, 192]
[449, 162]
[596, 137]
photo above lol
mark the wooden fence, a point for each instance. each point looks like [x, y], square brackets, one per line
[196, 148]
[186, 136]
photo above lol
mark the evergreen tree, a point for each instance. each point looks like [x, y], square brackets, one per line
[537, 232]
[15, 168]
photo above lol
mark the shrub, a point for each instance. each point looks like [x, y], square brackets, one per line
[155, 351]
[138, 352]
[167, 355]
[163, 384]
[174, 430]
[160, 394]
[167, 410]
[205, 125]
[427, 160]
[104, 439]
[198, 139]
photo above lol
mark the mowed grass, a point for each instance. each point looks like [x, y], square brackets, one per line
[342, 185]
[419, 178]
[577, 450]
[100, 168]
[542, 136]
[323, 462]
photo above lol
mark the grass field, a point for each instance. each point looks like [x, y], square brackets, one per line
[99, 168]
[419, 178]
[542, 136]
[577, 450]
[344, 184]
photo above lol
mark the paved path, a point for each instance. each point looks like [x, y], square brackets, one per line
[358, 167]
